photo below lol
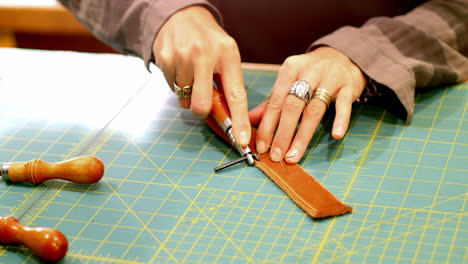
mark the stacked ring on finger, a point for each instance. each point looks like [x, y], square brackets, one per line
[302, 90]
[182, 92]
[323, 95]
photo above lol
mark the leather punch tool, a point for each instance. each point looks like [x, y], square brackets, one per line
[220, 113]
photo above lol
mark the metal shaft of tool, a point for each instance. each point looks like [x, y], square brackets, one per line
[241, 159]
[229, 164]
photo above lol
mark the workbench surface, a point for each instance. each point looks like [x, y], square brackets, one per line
[161, 202]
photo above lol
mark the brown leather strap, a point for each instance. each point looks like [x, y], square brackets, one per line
[299, 185]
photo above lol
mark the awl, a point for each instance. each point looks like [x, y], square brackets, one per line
[220, 113]
[84, 170]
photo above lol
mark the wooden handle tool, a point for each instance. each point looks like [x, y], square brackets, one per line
[46, 243]
[85, 170]
[220, 112]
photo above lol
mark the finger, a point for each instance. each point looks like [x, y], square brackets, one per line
[255, 115]
[202, 90]
[311, 117]
[287, 75]
[184, 78]
[291, 112]
[167, 66]
[343, 105]
[236, 97]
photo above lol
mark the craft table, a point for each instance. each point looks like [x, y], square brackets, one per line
[160, 201]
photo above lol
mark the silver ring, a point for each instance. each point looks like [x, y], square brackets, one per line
[323, 95]
[184, 92]
[301, 89]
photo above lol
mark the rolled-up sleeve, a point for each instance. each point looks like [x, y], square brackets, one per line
[425, 48]
[130, 26]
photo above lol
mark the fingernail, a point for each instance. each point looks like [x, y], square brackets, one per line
[275, 155]
[243, 138]
[338, 133]
[291, 155]
[261, 147]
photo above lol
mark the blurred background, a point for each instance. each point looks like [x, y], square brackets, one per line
[44, 24]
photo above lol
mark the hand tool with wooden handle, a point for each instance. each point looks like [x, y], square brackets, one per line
[46, 243]
[220, 112]
[86, 169]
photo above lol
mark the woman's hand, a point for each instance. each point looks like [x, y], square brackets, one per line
[323, 68]
[189, 49]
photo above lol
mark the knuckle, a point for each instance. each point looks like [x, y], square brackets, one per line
[275, 103]
[292, 104]
[195, 48]
[229, 50]
[164, 56]
[315, 108]
[183, 52]
[290, 62]
[199, 108]
[198, 48]
[237, 95]
[229, 43]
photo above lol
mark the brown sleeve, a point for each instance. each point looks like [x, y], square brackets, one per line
[425, 48]
[130, 26]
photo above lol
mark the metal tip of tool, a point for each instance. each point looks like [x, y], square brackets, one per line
[251, 159]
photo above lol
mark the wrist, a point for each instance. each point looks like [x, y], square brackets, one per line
[370, 91]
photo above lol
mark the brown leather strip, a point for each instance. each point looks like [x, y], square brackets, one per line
[299, 185]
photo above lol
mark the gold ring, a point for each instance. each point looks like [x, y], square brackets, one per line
[323, 95]
[184, 92]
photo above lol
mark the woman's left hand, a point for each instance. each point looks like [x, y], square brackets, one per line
[324, 68]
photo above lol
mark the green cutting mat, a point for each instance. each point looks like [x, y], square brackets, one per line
[160, 202]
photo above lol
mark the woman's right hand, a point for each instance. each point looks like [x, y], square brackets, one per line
[189, 49]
